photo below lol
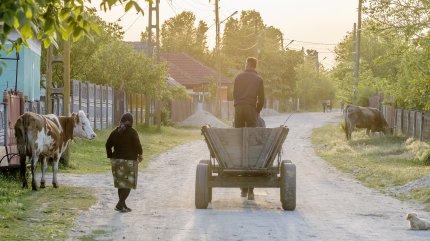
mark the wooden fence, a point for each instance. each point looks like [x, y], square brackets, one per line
[412, 123]
[103, 106]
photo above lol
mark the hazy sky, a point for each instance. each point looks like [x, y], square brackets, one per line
[324, 22]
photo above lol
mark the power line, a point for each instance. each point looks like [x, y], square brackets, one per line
[207, 8]
[121, 16]
[253, 46]
[169, 2]
[306, 42]
[135, 20]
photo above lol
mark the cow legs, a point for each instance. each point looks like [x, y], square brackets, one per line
[23, 170]
[43, 168]
[55, 170]
[348, 130]
[33, 172]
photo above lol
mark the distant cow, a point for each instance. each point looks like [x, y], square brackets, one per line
[364, 117]
[47, 136]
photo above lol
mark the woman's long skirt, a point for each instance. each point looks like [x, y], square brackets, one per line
[124, 173]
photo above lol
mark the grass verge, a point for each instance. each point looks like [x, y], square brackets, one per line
[43, 215]
[49, 213]
[90, 156]
[378, 162]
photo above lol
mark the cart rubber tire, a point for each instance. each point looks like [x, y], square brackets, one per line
[201, 192]
[209, 163]
[288, 186]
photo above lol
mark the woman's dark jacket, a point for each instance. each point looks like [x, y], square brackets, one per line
[125, 143]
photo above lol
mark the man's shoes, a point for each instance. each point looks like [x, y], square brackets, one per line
[251, 195]
[121, 209]
[127, 209]
[244, 192]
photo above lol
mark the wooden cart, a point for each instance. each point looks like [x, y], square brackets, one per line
[244, 157]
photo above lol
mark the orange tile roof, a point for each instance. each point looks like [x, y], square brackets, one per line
[189, 71]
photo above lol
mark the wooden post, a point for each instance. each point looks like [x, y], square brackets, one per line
[48, 83]
[66, 90]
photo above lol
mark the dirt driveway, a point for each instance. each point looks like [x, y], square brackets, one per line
[330, 205]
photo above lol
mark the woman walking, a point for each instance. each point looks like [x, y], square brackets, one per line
[127, 151]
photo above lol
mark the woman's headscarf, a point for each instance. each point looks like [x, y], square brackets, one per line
[126, 121]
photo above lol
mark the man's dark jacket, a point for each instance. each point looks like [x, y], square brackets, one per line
[248, 89]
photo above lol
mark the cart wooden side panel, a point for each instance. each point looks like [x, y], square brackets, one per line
[245, 148]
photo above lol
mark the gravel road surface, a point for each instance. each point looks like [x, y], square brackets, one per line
[330, 205]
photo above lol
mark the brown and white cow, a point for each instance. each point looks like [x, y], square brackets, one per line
[364, 117]
[47, 136]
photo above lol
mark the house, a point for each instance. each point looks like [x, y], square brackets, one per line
[21, 71]
[194, 75]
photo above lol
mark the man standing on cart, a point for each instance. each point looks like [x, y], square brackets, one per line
[248, 94]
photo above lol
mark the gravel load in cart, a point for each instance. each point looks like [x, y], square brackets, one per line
[244, 157]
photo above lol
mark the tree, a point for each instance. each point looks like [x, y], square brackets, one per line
[411, 18]
[114, 64]
[313, 85]
[241, 40]
[379, 63]
[82, 49]
[249, 36]
[178, 34]
[50, 19]
[408, 21]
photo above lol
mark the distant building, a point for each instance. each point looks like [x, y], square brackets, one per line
[194, 75]
[22, 70]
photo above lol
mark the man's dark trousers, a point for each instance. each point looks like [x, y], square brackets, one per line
[245, 116]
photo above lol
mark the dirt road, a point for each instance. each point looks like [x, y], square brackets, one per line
[330, 205]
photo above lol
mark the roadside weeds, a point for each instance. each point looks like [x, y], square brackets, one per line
[385, 163]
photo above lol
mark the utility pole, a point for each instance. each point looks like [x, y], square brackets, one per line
[354, 59]
[357, 54]
[153, 51]
[257, 50]
[218, 56]
[317, 64]
[159, 103]
[66, 77]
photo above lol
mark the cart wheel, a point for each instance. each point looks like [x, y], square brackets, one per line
[201, 192]
[209, 163]
[288, 185]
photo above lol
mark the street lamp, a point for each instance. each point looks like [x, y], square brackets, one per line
[289, 43]
[231, 15]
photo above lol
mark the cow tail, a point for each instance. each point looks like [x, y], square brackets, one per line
[22, 146]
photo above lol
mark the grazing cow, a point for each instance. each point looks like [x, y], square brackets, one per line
[47, 136]
[364, 117]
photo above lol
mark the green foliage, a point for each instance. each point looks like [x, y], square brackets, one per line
[379, 64]
[46, 214]
[178, 34]
[395, 50]
[285, 73]
[49, 20]
[313, 85]
[105, 59]
[411, 18]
